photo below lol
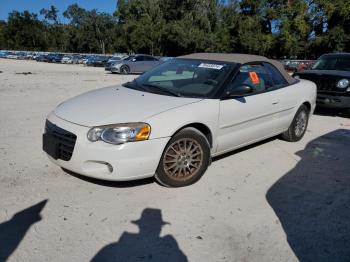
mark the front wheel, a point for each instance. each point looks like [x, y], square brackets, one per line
[185, 159]
[125, 70]
[298, 126]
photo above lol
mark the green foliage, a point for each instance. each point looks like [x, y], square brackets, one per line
[274, 28]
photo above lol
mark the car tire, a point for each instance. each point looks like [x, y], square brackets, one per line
[185, 159]
[124, 69]
[298, 126]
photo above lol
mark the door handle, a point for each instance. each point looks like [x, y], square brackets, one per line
[275, 103]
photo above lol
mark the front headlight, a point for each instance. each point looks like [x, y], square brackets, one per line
[120, 133]
[343, 83]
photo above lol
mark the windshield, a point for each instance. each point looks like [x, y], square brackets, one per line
[184, 77]
[333, 62]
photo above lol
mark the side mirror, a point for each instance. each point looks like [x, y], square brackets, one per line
[134, 60]
[240, 91]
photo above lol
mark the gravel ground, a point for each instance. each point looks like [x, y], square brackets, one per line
[274, 201]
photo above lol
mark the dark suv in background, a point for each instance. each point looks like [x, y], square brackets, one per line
[331, 74]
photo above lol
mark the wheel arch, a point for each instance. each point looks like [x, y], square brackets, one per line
[204, 129]
[125, 65]
[308, 105]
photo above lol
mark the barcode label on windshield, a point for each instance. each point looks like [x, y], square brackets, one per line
[211, 66]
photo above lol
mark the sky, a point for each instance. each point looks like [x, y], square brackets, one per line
[6, 6]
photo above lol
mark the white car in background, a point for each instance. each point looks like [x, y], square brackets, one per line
[170, 121]
[67, 59]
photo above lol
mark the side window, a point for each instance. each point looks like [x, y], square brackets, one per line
[149, 58]
[254, 76]
[139, 58]
[277, 78]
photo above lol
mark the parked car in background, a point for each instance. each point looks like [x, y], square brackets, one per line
[41, 58]
[165, 58]
[293, 66]
[111, 61]
[114, 58]
[83, 59]
[67, 59]
[135, 64]
[171, 120]
[55, 58]
[12, 55]
[99, 60]
[76, 58]
[3, 54]
[331, 73]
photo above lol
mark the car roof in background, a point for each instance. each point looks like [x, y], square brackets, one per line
[336, 54]
[240, 59]
[143, 55]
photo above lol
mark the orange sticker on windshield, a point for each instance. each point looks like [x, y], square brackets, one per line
[254, 78]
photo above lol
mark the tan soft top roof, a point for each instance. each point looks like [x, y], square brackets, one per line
[240, 59]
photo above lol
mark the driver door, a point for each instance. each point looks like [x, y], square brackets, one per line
[249, 118]
[138, 64]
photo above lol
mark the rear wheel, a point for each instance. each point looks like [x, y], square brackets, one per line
[184, 160]
[124, 70]
[298, 126]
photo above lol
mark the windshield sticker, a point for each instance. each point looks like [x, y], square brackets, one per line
[211, 66]
[254, 78]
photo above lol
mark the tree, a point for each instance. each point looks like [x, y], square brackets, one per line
[50, 14]
[2, 37]
[274, 28]
[23, 31]
[91, 31]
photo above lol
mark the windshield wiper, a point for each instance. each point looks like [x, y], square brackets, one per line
[162, 89]
[135, 85]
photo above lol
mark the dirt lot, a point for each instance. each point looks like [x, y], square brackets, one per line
[275, 201]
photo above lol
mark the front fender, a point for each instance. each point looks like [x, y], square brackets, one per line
[167, 123]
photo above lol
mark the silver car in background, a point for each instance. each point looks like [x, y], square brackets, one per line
[134, 64]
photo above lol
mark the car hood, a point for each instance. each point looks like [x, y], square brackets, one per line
[118, 104]
[325, 72]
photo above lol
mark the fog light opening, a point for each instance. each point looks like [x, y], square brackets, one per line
[97, 167]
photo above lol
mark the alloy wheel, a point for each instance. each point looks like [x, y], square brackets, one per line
[300, 123]
[183, 159]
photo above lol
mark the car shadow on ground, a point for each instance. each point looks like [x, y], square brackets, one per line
[312, 201]
[130, 74]
[117, 184]
[230, 153]
[147, 245]
[13, 231]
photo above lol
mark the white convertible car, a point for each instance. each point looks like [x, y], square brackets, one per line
[170, 121]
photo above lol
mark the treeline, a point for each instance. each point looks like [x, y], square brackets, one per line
[274, 28]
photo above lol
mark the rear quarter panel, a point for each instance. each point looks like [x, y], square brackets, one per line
[290, 100]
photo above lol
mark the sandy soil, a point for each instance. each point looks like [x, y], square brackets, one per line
[275, 201]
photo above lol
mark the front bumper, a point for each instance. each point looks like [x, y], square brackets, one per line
[333, 101]
[115, 70]
[100, 160]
